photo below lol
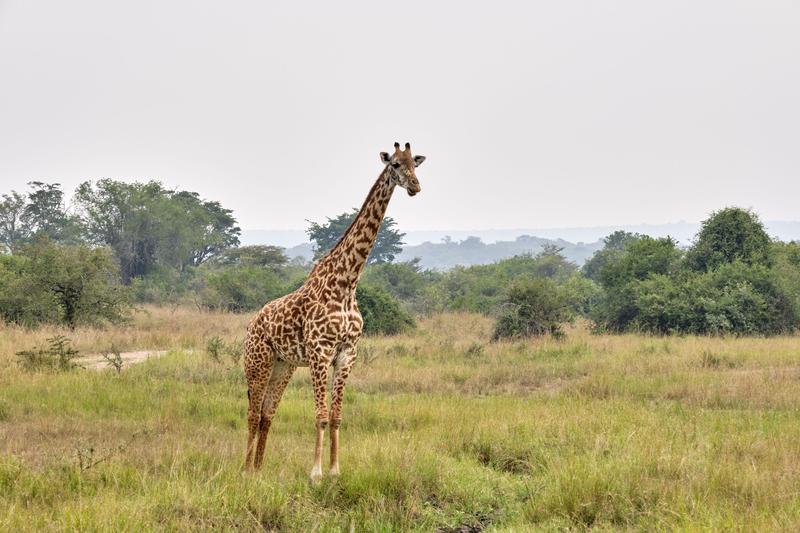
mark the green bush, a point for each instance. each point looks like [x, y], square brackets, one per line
[241, 288]
[786, 267]
[733, 299]
[404, 281]
[71, 285]
[164, 285]
[640, 259]
[382, 314]
[533, 307]
[58, 355]
[613, 246]
[729, 235]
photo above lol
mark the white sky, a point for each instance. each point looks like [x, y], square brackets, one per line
[532, 114]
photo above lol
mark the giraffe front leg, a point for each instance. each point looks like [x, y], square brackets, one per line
[319, 380]
[344, 363]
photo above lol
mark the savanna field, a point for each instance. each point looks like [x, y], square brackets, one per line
[443, 430]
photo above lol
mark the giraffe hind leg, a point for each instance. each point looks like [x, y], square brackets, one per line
[258, 369]
[281, 374]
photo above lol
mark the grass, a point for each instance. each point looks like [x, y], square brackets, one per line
[443, 430]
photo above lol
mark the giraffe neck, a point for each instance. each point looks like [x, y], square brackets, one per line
[347, 259]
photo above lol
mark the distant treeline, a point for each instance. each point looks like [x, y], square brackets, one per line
[119, 244]
[449, 253]
[473, 251]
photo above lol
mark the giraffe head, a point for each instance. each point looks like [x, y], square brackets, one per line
[402, 168]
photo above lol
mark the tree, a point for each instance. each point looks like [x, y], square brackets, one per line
[71, 285]
[255, 255]
[620, 270]
[120, 215]
[39, 214]
[640, 259]
[147, 225]
[613, 245]
[551, 263]
[213, 227]
[729, 235]
[388, 244]
[14, 230]
[44, 212]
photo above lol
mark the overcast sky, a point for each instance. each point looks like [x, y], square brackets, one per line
[531, 114]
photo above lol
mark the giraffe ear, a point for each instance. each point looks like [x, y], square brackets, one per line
[385, 159]
[418, 159]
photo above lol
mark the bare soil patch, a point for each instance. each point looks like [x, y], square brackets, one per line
[98, 362]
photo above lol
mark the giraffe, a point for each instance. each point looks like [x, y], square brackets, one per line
[319, 324]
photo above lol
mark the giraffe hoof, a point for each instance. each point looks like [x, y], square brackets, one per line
[316, 476]
[334, 471]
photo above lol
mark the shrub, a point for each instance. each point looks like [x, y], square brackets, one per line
[54, 283]
[216, 347]
[382, 314]
[533, 307]
[641, 258]
[241, 288]
[113, 358]
[729, 235]
[613, 246]
[404, 281]
[57, 355]
[163, 285]
[733, 299]
[786, 267]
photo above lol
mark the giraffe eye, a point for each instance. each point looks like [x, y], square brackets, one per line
[395, 165]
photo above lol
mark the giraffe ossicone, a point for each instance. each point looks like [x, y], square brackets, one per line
[319, 324]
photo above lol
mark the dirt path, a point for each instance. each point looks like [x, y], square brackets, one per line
[97, 362]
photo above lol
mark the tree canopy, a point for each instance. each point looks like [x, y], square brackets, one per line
[388, 244]
[147, 225]
[50, 282]
[729, 235]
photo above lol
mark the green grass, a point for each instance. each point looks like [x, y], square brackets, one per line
[442, 429]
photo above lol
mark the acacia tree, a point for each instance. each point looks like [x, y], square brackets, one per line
[258, 255]
[388, 243]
